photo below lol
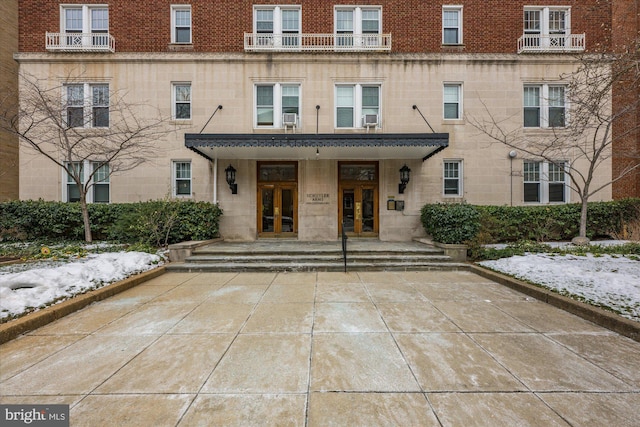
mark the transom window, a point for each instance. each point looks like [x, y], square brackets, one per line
[544, 105]
[181, 24]
[357, 105]
[452, 25]
[277, 105]
[87, 105]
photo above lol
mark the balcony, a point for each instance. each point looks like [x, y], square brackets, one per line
[80, 42]
[261, 42]
[551, 43]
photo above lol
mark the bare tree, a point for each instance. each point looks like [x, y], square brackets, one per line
[70, 127]
[581, 139]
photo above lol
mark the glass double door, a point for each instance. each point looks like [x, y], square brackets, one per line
[277, 210]
[358, 204]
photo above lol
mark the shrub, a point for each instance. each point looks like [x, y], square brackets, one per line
[154, 222]
[450, 223]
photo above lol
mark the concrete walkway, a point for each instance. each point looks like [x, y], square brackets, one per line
[317, 349]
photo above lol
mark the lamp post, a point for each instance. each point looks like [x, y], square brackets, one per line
[512, 155]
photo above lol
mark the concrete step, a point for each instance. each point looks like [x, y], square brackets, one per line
[190, 267]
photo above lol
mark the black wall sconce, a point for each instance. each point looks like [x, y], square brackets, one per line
[230, 173]
[404, 178]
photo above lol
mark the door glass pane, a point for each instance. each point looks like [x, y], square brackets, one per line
[287, 211]
[348, 209]
[267, 210]
[368, 211]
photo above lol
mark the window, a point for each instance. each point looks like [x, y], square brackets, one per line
[355, 102]
[87, 105]
[85, 19]
[358, 26]
[452, 25]
[452, 97]
[182, 101]
[452, 177]
[546, 26]
[545, 182]
[277, 25]
[181, 24]
[544, 106]
[182, 178]
[98, 182]
[274, 101]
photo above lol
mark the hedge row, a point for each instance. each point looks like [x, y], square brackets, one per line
[458, 223]
[156, 222]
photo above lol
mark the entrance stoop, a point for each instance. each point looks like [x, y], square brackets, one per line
[292, 255]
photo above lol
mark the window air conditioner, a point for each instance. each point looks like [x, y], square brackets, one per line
[370, 120]
[289, 119]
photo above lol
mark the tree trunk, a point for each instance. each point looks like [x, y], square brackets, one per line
[85, 217]
[583, 218]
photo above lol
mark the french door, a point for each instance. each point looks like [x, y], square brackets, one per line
[277, 201]
[358, 204]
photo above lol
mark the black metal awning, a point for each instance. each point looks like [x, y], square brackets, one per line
[292, 146]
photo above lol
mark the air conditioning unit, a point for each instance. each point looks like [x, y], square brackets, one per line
[289, 119]
[370, 120]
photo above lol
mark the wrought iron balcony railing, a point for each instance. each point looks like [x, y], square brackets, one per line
[263, 42]
[550, 43]
[80, 42]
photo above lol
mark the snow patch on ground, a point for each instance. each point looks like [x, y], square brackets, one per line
[610, 281]
[44, 283]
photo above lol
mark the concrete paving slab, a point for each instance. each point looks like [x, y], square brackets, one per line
[453, 362]
[315, 349]
[370, 409]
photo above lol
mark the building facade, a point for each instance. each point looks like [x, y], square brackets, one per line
[8, 88]
[318, 110]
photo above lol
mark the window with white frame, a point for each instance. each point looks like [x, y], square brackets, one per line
[277, 25]
[452, 178]
[452, 25]
[545, 182]
[182, 178]
[277, 104]
[97, 174]
[357, 105]
[86, 105]
[181, 24]
[452, 98]
[544, 105]
[358, 26]
[79, 19]
[546, 26]
[181, 101]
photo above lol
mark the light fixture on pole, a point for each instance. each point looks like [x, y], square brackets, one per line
[230, 173]
[512, 155]
[404, 178]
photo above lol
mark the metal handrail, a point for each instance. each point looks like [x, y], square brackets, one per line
[344, 247]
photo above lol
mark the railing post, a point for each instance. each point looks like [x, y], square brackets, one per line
[344, 247]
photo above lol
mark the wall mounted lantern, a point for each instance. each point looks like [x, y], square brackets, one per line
[404, 178]
[230, 173]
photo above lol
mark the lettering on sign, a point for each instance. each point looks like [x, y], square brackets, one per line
[318, 198]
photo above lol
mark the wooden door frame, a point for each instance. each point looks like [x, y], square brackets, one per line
[277, 186]
[358, 187]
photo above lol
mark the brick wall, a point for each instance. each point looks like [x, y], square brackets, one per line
[627, 149]
[218, 26]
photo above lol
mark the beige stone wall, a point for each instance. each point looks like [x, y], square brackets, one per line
[228, 80]
[8, 86]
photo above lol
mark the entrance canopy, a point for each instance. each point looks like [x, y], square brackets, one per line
[292, 146]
